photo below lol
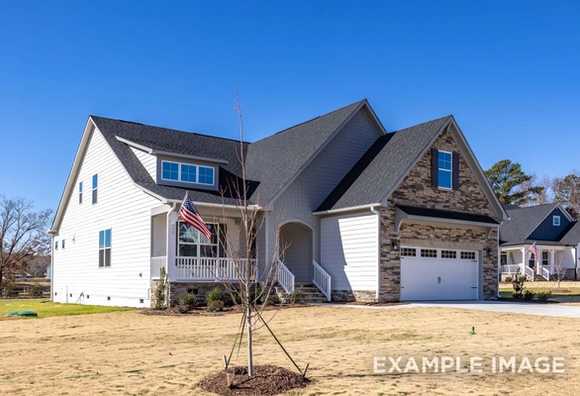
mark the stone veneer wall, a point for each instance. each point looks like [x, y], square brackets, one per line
[417, 190]
[365, 296]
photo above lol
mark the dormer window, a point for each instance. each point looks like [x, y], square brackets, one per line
[556, 221]
[170, 171]
[187, 173]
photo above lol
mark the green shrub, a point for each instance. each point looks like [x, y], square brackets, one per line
[36, 290]
[518, 285]
[528, 295]
[215, 294]
[543, 295]
[186, 302]
[160, 294]
[215, 306]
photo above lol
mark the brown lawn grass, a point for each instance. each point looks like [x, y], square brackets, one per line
[136, 354]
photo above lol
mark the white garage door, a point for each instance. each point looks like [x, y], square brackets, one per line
[439, 274]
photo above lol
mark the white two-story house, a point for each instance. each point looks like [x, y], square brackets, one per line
[366, 214]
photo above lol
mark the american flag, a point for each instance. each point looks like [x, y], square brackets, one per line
[189, 214]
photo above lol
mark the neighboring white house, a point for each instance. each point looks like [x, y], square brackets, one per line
[548, 229]
[366, 215]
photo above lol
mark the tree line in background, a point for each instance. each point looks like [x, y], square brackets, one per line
[23, 237]
[514, 187]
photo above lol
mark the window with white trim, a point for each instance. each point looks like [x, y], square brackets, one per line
[545, 258]
[62, 243]
[408, 252]
[445, 169]
[431, 253]
[105, 248]
[504, 257]
[187, 173]
[55, 244]
[192, 243]
[95, 185]
[80, 193]
[556, 221]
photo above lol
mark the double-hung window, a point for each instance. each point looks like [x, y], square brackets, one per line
[80, 192]
[192, 243]
[545, 258]
[445, 169]
[187, 173]
[556, 221]
[105, 248]
[95, 182]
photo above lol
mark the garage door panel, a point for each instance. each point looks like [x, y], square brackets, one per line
[437, 278]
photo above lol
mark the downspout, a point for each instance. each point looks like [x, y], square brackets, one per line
[167, 252]
[51, 266]
[378, 214]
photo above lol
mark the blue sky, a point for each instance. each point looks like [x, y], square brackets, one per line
[508, 71]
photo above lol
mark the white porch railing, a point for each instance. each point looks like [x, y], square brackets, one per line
[511, 268]
[156, 264]
[285, 277]
[322, 280]
[212, 269]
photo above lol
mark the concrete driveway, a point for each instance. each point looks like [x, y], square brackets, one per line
[557, 310]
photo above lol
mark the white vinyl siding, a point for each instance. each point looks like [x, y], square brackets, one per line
[121, 207]
[349, 251]
[149, 162]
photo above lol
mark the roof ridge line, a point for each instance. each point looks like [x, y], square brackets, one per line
[310, 120]
[169, 129]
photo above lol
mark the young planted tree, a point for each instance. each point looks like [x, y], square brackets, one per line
[22, 235]
[512, 185]
[252, 293]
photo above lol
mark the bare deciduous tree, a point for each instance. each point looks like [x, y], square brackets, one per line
[253, 294]
[22, 234]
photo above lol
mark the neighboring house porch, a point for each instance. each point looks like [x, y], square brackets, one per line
[552, 261]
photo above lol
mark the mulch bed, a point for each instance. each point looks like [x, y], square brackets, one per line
[202, 311]
[267, 380]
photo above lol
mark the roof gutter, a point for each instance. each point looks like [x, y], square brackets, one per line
[214, 205]
[349, 209]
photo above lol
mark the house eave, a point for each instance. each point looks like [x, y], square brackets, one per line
[348, 209]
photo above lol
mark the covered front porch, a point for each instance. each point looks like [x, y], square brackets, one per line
[553, 261]
[189, 257]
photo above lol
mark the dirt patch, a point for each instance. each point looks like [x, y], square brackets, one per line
[268, 380]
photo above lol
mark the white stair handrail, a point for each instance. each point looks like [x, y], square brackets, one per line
[285, 277]
[322, 280]
[529, 272]
[546, 273]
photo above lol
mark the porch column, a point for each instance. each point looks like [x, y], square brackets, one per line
[523, 269]
[552, 260]
[171, 243]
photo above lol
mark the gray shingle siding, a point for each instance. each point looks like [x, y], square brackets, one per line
[321, 176]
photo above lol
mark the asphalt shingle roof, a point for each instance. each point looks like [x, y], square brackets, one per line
[384, 164]
[447, 214]
[524, 220]
[178, 142]
[276, 159]
[271, 162]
